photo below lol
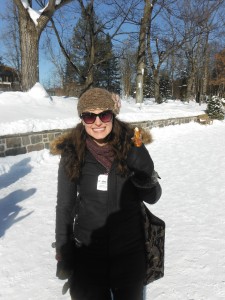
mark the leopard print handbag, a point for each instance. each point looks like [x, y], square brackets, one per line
[154, 229]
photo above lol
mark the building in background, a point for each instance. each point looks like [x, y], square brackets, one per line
[9, 80]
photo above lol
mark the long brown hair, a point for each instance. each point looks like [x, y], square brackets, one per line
[73, 147]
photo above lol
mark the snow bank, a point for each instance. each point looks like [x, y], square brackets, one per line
[36, 111]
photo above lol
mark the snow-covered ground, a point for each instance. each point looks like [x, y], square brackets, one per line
[190, 160]
[35, 111]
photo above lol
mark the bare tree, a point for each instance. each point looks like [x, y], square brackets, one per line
[30, 29]
[165, 36]
[145, 21]
[128, 68]
[89, 42]
[204, 21]
[96, 25]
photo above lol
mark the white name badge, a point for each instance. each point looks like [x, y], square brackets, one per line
[102, 184]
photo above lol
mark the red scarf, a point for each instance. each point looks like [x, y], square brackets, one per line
[103, 154]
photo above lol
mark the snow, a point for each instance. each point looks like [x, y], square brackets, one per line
[190, 160]
[25, 3]
[34, 14]
[61, 113]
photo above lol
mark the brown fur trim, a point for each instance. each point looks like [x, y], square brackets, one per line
[58, 144]
[146, 136]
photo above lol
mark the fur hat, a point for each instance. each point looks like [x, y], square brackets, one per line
[98, 98]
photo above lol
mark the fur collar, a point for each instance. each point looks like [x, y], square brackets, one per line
[58, 144]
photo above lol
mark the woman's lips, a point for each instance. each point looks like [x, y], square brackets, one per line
[99, 129]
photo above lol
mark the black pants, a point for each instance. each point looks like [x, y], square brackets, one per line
[133, 292]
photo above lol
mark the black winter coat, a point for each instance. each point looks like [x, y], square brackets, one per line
[107, 225]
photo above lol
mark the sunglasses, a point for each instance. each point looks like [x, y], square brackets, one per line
[104, 116]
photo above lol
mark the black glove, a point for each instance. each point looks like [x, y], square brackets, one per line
[66, 258]
[140, 163]
[62, 270]
[154, 178]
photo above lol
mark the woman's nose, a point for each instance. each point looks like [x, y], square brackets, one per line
[98, 121]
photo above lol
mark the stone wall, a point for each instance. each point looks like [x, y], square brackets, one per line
[27, 142]
[35, 141]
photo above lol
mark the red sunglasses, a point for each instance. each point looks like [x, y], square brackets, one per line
[104, 116]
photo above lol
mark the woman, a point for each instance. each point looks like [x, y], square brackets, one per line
[102, 180]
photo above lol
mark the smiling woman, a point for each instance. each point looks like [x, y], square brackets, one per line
[102, 180]
[98, 124]
[97, 108]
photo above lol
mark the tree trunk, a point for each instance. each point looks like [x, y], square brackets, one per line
[29, 38]
[139, 82]
[190, 83]
[158, 98]
[29, 41]
[127, 84]
[90, 75]
[141, 51]
[89, 15]
[172, 74]
[206, 68]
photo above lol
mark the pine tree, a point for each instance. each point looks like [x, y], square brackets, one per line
[215, 108]
[107, 73]
[165, 85]
[78, 52]
[148, 85]
[105, 68]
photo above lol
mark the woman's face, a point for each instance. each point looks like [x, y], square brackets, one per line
[99, 129]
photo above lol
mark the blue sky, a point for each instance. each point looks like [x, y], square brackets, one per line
[45, 65]
[46, 68]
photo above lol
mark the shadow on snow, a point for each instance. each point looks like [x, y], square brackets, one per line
[17, 171]
[9, 209]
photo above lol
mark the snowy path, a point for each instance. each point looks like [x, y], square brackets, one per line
[189, 158]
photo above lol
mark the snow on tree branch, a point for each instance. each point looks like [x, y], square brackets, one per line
[35, 14]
